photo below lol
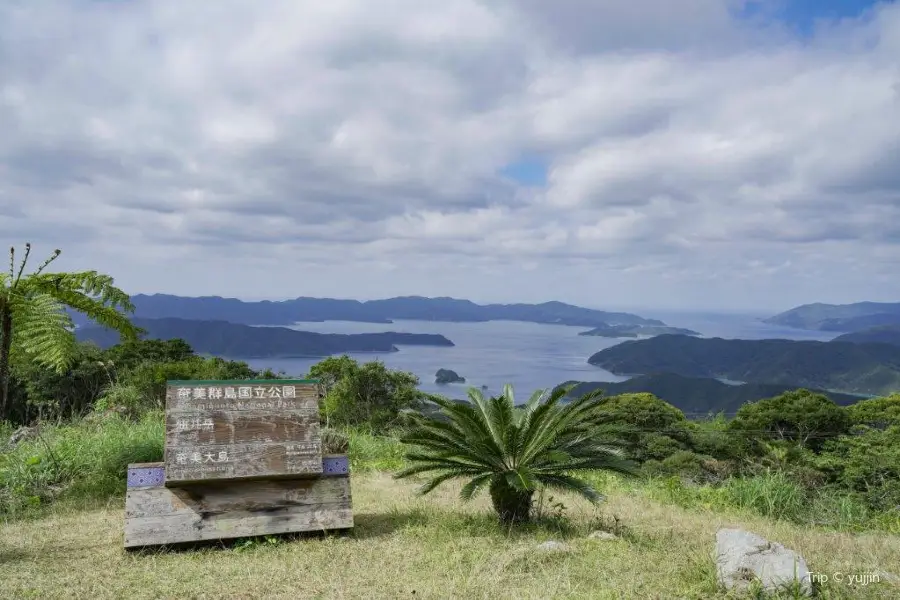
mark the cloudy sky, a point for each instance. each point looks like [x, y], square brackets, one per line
[689, 154]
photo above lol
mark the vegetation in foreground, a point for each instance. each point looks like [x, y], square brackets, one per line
[405, 545]
[796, 467]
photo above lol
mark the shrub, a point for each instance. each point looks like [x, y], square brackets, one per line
[868, 463]
[513, 451]
[876, 413]
[365, 395]
[646, 427]
[800, 416]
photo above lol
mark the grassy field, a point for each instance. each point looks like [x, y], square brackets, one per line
[406, 546]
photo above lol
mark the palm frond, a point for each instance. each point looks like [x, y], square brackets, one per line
[475, 485]
[439, 479]
[567, 483]
[521, 479]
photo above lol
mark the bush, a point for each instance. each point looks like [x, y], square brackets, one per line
[876, 413]
[149, 378]
[126, 400]
[867, 463]
[369, 395]
[800, 416]
[646, 427]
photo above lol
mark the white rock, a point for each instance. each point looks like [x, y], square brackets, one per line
[889, 578]
[553, 546]
[742, 557]
[603, 535]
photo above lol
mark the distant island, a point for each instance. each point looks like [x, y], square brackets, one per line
[839, 317]
[221, 338]
[848, 367]
[444, 376]
[288, 312]
[633, 331]
[697, 396]
[886, 334]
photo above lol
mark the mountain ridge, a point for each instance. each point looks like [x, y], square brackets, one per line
[697, 396]
[234, 340]
[852, 317]
[307, 309]
[884, 334]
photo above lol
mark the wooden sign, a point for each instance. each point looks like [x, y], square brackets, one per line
[158, 515]
[242, 429]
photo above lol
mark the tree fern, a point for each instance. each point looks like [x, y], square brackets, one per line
[42, 330]
[34, 320]
[511, 450]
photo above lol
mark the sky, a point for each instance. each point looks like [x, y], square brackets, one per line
[715, 155]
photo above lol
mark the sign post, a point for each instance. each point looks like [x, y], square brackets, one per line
[242, 458]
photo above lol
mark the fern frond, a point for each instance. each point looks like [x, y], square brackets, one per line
[42, 330]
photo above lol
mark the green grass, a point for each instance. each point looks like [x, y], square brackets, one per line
[71, 482]
[405, 546]
[81, 464]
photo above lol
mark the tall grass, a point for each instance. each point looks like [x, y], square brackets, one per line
[369, 452]
[776, 496]
[770, 494]
[79, 463]
[84, 463]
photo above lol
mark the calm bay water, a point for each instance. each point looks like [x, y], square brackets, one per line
[528, 355]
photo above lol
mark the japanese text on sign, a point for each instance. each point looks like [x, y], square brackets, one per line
[240, 392]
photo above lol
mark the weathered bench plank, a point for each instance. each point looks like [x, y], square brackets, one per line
[234, 430]
[160, 515]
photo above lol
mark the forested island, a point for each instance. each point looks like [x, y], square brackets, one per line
[220, 338]
[839, 317]
[288, 312]
[886, 334]
[444, 376]
[843, 366]
[697, 396]
[633, 331]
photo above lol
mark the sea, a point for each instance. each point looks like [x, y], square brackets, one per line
[529, 356]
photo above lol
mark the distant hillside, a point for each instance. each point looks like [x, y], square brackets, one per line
[633, 331]
[839, 317]
[288, 312]
[886, 334]
[855, 368]
[221, 338]
[697, 396]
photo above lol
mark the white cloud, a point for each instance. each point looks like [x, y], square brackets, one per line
[355, 149]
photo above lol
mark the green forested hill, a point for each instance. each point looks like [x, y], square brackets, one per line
[221, 338]
[839, 317]
[844, 366]
[697, 396]
[886, 334]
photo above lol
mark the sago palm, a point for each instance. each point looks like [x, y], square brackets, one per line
[34, 320]
[512, 450]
